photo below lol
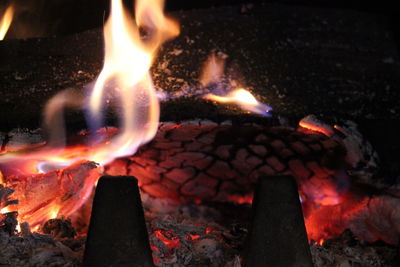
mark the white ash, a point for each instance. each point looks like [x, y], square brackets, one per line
[30, 249]
[209, 250]
[201, 241]
[36, 250]
[360, 155]
[347, 251]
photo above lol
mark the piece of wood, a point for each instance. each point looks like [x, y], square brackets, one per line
[117, 233]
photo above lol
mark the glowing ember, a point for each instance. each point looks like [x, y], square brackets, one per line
[313, 124]
[5, 21]
[45, 192]
[247, 199]
[169, 239]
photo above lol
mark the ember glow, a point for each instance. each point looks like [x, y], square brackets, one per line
[5, 21]
[56, 179]
[311, 123]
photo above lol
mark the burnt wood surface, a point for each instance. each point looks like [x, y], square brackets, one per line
[224, 162]
[117, 233]
[278, 236]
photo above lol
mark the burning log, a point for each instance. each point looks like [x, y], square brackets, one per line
[117, 233]
[8, 220]
[278, 235]
[47, 195]
[369, 217]
[224, 162]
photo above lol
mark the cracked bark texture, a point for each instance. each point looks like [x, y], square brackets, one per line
[224, 162]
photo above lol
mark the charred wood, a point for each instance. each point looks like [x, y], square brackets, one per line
[219, 162]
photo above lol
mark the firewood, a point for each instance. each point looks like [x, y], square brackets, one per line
[53, 193]
[216, 162]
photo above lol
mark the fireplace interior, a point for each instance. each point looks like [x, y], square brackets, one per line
[328, 184]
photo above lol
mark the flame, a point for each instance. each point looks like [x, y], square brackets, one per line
[213, 70]
[55, 209]
[5, 21]
[5, 210]
[244, 99]
[125, 74]
[128, 59]
[212, 74]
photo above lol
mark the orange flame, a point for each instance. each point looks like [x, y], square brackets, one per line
[212, 74]
[5, 21]
[213, 70]
[128, 58]
[244, 99]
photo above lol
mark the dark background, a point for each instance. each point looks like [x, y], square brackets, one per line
[38, 18]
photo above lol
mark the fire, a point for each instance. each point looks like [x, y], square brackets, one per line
[212, 74]
[213, 70]
[5, 21]
[125, 74]
[244, 99]
[128, 59]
